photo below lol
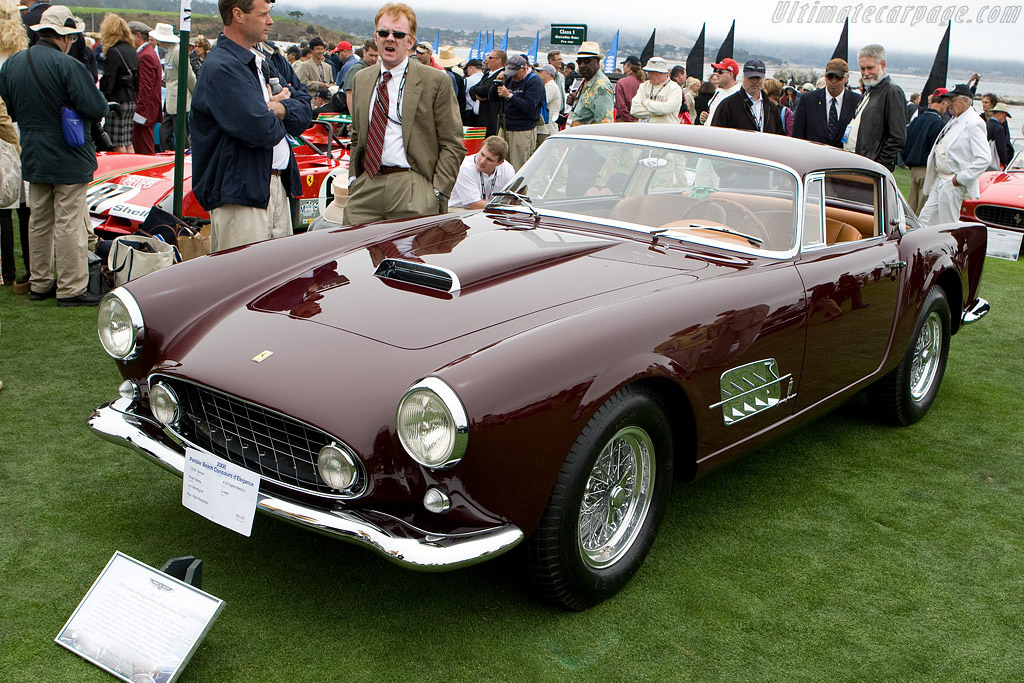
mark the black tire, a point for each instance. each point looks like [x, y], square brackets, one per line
[906, 393]
[577, 559]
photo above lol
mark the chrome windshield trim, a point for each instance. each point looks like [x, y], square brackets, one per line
[798, 196]
[390, 537]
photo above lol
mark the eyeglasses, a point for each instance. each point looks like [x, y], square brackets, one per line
[384, 33]
[833, 77]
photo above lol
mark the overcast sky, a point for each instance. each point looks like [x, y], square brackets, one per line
[981, 29]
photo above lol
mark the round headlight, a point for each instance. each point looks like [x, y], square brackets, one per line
[432, 424]
[119, 324]
[337, 467]
[163, 403]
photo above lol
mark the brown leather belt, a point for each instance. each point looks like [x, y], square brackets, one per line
[276, 172]
[393, 169]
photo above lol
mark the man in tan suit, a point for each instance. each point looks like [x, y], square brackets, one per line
[406, 135]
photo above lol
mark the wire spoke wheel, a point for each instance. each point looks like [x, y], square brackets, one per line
[616, 497]
[925, 363]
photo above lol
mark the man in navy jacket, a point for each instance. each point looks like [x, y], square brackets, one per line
[921, 135]
[243, 170]
[521, 93]
[814, 108]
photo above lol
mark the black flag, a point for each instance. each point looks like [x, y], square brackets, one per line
[937, 78]
[726, 50]
[648, 50]
[695, 60]
[842, 50]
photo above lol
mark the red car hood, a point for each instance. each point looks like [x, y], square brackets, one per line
[1002, 189]
[498, 275]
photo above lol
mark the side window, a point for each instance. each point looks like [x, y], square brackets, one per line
[853, 207]
[814, 234]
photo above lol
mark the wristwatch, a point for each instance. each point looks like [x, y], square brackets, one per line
[441, 196]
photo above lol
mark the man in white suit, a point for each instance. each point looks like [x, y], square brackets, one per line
[958, 158]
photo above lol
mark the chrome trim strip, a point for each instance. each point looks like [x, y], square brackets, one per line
[392, 538]
[978, 309]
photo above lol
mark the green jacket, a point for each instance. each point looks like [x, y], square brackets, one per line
[45, 157]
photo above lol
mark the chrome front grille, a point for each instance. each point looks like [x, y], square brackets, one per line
[277, 447]
[1003, 216]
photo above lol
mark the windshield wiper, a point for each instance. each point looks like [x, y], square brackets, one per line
[523, 199]
[756, 241]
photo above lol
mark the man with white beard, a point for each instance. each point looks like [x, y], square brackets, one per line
[879, 127]
[958, 158]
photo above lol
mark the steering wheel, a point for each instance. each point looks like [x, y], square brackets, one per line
[729, 213]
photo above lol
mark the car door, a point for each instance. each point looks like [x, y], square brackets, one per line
[851, 268]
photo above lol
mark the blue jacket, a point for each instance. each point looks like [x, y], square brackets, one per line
[234, 133]
[522, 110]
[921, 135]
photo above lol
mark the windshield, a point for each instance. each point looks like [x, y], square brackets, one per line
[1017, 163]
[686, 194]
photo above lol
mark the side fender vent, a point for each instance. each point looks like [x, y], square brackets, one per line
[420, 274]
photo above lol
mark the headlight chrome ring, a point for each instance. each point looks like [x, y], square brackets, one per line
[432, 424]
[119, 325]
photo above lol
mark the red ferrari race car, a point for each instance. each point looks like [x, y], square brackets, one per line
[1001, 201]
[126, 186]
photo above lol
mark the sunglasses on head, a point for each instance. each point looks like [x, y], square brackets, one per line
[384, 33]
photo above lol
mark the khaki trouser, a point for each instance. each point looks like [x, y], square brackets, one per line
[233, 225]
[390, 195]
[57, 235]
[916, 198]
[521, 144]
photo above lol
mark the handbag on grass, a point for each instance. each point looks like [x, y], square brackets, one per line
[192, 240]
[132, 256]
[70, 122]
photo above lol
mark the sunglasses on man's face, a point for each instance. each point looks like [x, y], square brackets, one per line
[384, 33]
[722, 71]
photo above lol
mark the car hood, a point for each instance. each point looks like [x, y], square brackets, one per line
[1002, 189]
[452, 277]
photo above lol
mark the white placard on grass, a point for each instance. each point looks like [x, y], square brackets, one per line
[1004, 244]
[138, 623]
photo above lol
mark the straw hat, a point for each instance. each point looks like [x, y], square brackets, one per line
[446, 55]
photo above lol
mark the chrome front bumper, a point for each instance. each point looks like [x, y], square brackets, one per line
[388, 536]
[975, 312]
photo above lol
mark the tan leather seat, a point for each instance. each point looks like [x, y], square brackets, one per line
[838, 231]
[651, 209]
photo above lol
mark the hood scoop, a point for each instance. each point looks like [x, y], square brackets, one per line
[418, 274]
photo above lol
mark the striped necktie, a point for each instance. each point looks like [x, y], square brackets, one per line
[378, 123]
[833, 120]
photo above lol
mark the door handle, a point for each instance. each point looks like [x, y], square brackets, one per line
[895, 265]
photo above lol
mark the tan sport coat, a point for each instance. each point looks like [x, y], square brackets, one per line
[171, 83]
[431, 124]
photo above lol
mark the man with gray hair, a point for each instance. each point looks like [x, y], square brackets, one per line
[879, 127]
[960, 155]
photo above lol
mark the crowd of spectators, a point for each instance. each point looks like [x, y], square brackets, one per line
[519, 103]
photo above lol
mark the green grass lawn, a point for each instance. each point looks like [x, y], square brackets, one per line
[851, 551]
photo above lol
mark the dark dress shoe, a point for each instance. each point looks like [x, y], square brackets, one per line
[83, 299]
[41, 296]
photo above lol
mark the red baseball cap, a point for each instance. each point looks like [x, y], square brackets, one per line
[343, 45]
[939, 92]
[729, 64]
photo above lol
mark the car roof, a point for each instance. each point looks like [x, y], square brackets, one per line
[800, 155]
